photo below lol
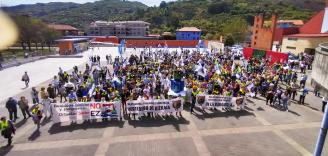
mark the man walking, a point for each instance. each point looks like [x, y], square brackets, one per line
[7, 128]
[303, 93]
[35, 95]
[11, 105]
[23, 105]
[26, 79]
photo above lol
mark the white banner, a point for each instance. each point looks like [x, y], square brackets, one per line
[154, 106]
[215, 101]
[80, 111]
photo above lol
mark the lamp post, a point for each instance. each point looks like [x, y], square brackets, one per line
[322, 134]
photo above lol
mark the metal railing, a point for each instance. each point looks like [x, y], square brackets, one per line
[324, 47]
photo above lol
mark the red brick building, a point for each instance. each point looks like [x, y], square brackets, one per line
[263, 36]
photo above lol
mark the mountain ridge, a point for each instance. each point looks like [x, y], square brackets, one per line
[210, 16]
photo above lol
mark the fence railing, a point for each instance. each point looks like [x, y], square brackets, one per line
[324, 47]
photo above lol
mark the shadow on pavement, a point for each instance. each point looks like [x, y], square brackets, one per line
[158, 121]
[20, 123]
[226, 114]
[57, 128]
[293, 112]
[5, 150]
[45, 121]
[313, 108]
[260, 109]
[248, 109]
[34, 135]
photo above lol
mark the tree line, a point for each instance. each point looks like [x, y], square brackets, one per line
[33, 31]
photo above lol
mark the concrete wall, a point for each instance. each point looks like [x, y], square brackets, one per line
[320, 71]
[300, 44]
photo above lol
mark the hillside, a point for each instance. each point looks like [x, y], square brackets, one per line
[78, 15]
[214, 17]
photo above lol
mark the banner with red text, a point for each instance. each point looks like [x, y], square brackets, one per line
[80, 111]
[154, 106]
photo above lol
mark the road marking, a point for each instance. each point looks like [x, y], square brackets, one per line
[277, 130]
[104, 142]
[293, 143]
[196, 137]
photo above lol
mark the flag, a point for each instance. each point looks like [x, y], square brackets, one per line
[233, 67]
[259, 53]
[121, 47]
[249, 87]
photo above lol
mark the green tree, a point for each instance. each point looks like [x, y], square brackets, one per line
[237, 27]
[229, 41]
[218, 7]
[34, 31]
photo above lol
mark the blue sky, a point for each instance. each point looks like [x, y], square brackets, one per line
[17, 2]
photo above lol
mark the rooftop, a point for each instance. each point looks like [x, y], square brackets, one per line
[154, 35]
[193, 29]
[295, 22]
[167, 34]
[72, 39]
[121, 22]
[61, 27]
[308, 35]
[315, 24]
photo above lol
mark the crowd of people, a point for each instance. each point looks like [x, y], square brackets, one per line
[148, 76]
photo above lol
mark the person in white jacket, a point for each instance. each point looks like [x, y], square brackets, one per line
[46, 107]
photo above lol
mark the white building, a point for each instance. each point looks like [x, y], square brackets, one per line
[119, 28]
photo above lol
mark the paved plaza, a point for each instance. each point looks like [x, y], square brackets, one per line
[259, 130]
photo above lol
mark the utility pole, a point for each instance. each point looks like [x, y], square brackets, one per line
[322, 134]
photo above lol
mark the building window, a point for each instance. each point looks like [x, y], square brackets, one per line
[254, 43]
[292, 39]
[288, 47]
[256, 31]
[255, 37]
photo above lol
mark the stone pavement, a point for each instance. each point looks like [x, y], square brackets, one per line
[259, 130]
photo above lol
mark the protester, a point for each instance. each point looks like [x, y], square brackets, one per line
[269, 97]
[7, 129]
[46, 107]
[37, 114]
[26, 79]
[44, 95]
[285, 101]
[55, 84]
[62, 93]
[23, 105]
[11, 105]
[303, 92]
[51, 91]
[35, 95]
